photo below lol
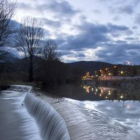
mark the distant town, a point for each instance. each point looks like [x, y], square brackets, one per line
[115, 72]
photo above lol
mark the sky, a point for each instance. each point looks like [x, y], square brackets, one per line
[88, 30]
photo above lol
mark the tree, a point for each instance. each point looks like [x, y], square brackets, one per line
[7, 10]
[50, 50]
[29, 42]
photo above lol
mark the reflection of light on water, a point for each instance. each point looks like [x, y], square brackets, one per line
[127, 106]
[89, 106]
[109, 92]
[106, 97]
[92, 89]
[102, 91]
[121, 96]
[87, 89]
[114, 101]
[84, 87]
[96, 89]
[100, 95]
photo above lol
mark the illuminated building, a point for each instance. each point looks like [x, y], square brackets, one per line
[120, 70]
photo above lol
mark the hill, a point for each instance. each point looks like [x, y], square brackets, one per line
[90, 66]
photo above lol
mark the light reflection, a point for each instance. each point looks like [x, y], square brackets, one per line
[128, 106]
[96, 89]
[109, 92]
[112, 94]
[87, 89]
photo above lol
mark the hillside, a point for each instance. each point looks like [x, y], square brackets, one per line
[90, 66]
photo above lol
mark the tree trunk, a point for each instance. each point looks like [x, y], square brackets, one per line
[31, 69]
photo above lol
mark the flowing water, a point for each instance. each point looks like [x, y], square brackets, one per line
[40, 122]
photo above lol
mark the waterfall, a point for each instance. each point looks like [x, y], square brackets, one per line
[51, 124]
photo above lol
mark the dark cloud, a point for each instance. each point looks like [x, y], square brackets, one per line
[91, 35]
[116, 18]
[128, 9]
[51, 23]
[97, 11]
[125, 9]
[62, 9]
[137, 19]
[80, 55]
[119, 53]
[135, 27]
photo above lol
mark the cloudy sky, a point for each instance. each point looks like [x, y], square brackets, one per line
[89, 30]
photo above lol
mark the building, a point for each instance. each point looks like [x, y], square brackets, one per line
[120, 70]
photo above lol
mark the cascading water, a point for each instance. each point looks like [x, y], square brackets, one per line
[51, 124]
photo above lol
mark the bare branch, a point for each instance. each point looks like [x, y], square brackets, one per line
[29, 39]
[7, 10]
[50, 50]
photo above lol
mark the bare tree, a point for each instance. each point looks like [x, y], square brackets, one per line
[29, 39]
[50, 50]
[7, 10]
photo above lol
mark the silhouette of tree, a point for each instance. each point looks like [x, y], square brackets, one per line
[29, 42]
[50, 50]
[7, 10]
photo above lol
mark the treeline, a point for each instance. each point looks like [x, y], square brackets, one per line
[47, 73]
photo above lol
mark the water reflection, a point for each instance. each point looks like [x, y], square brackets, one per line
[121, 104]
[107, 93]
[126, 112]
[92, 93]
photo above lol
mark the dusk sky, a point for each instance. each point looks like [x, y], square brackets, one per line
[89, 30]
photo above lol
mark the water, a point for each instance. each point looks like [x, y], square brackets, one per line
[120, 104]
[51, 124]
[40, 122]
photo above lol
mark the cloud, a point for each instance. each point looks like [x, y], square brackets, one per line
[137, 19]
[51, 23]
[97, 11]
[91, 36]
[61, 8]
[128, 9]
[116, 18]
[125, 9]
[119, 52]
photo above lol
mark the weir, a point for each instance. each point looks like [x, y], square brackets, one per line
[51, 124]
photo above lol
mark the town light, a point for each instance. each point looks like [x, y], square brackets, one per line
[128, 62]
[122, 72]
[121, 97]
